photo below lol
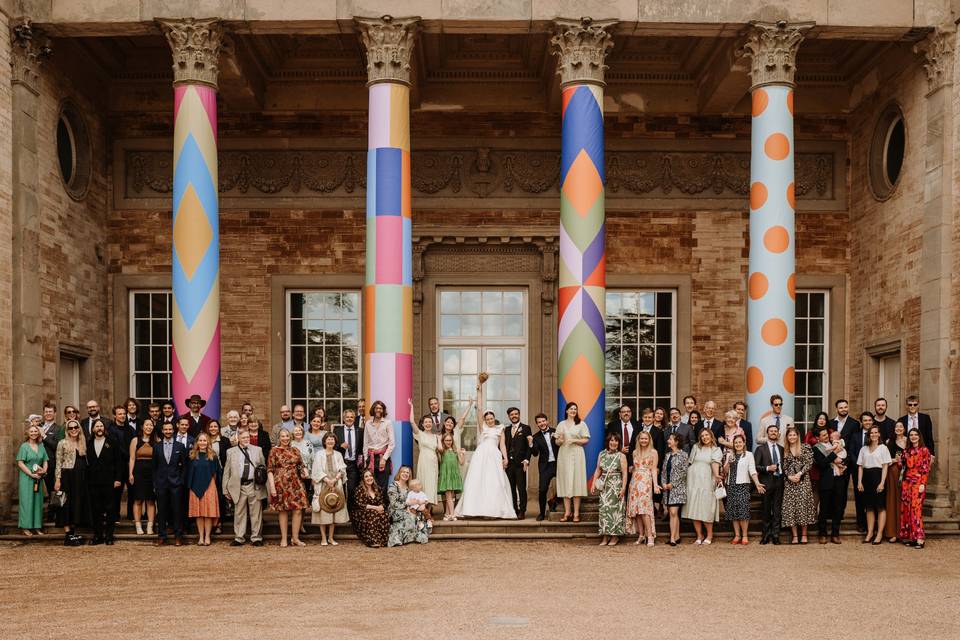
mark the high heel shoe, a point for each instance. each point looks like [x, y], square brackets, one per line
[139, 528]
[149, 528]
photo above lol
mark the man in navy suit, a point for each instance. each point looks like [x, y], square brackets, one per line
[741, 408]
[546, 449]
[855, 437]
[920, 421]
[169, 477]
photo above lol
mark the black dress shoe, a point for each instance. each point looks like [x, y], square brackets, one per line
[541, 518]
[775, 541]
[765, 540]
[96, 541]
[108, 542]
[236, 543]
[258, 543]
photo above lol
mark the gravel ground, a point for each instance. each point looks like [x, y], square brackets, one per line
[481, 589]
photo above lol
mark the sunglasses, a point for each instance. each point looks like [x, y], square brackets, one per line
[73, 428]
[778, 404]
[913, 404]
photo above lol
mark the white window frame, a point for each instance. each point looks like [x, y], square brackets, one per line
[675, 294]
[825, 387]
[288, 375]
[132, 343]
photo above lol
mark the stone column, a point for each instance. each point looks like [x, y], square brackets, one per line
[195, 360]
[28, 48]
[582, 46]
[388, 286]
[771, 287]
[936, 248]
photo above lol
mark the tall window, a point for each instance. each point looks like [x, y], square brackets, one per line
[151, 331]
[641, 334]
[323, 350]
[811, 356]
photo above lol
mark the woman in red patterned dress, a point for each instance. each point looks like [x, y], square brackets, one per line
[285, 473]
[916, 471]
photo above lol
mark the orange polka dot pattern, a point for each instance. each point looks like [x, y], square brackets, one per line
[772, 263]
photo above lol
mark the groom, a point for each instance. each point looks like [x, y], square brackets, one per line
[518, 438]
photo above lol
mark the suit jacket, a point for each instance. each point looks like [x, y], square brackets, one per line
[852, 435]
[190, 440]
[615, 426]
[87, 423]
[340, 431]
[518, 449]
[763, 460]
[849, 426]
[108, 467]
[263, 441]
[233, 471]
[747, 432]
[684, 431]
[173, 474]
[124, 434]
[541, 450]
[437, 428]
[52, 439]
[785, 423]
[197, 425]
[925, 425]
[824, 462]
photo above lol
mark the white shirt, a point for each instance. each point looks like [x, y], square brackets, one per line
[350, 436]
[874, 459]
[708, 423]
[841, 421]
[182, 438]
[551, 457]
[98, 444]
[775, 456]
[913, 422]
[629, 428]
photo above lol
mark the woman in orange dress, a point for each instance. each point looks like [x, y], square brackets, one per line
[203, 476]
[285, 474]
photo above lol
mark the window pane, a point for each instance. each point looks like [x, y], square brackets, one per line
[141, 305]
[449, 302]
[470, 325]
[513, 326]
[449, 326]
[513, 302]
[492, 325]
[470, 302]
[150, 324]
[493, 302]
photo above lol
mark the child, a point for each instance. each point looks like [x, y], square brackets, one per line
[451, 482]
[841, 455]
[418, 505]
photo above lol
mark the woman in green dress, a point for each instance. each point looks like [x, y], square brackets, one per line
[610, 473]
[403, 522]
[451, 482]
[32, 462]
[571, 435]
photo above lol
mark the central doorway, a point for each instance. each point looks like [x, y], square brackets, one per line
[482, 329]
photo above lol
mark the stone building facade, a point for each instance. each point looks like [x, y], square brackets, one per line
[86, 181]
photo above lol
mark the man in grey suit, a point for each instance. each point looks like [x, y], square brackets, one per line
[241, 489]
[682, 429]
[436, 416]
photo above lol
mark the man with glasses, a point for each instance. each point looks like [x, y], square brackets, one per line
[93, 414]
[920, 421]
[776, 419]
[51, 434]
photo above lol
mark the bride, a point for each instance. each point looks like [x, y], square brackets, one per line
[486, 490]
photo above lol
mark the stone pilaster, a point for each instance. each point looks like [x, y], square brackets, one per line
[582, 47]
[195, 44]
[772, 49]
[389, 45]
[8, 432]
[936, 248]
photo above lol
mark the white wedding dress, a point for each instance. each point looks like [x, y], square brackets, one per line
[486, 490]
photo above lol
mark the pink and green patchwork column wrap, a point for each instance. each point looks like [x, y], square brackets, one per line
[388, 288]
[771, 285]
[196, 248]
[582, 280]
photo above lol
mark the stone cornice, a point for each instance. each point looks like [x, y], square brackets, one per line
[195, 44]
[582, 47]
[389, 45]
[937, 51]
[29, 47]
[772, 49]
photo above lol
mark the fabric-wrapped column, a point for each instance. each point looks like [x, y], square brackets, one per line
[196, 231]
[581, 338]
[388, 286]
[771, 284]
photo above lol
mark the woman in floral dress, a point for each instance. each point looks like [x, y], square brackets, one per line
[643, 484]
[798, 509]
[370, 519]
[612, 467]
[403, 522]
[673, 480]
[916, 471]
[285, 474]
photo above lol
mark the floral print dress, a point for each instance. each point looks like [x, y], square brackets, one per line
[916, 471]
[798, 508]
[403, 524]
[372, 527]
[640, 495]
[612, 509]
[285, 465]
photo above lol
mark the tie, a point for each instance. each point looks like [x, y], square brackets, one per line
[626, 436]
[350, 442]
[436, 420]
[778, 421]
[245, 476]
[776, 458]
[167, 450]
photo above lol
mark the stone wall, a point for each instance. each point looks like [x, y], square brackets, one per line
[7, 421]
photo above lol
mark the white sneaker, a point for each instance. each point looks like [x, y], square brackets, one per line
[149, 528]
[139, 528]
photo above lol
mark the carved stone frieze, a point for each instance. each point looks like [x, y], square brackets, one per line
[389, 44]
[582, 47]
[195, 44]
[772, 49]
[29, 47]
[479, 174]
[937, 52]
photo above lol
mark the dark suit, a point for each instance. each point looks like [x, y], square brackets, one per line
[87, 424]
[436, 420]
[925, 426]
[168, 483]
[542, 446]
[833, 491]
[853, 437]
[50, 441]
[103, 471]
[124, 434]
[615, 426]
[197, 425]
[684, 431]
[353, 465]
[518, 452]
[747, 432]
[773, 483]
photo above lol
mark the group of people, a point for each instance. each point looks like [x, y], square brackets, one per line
[695, 463]
[673, 464]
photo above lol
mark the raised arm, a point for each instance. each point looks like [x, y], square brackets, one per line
[414, 422]
[465, 414]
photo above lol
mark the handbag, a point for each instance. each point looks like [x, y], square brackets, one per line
[58, 499]
[259, 471]
[720, 492]
[600, 482]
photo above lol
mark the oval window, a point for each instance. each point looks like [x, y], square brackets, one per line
[887, 151]
[73, 151]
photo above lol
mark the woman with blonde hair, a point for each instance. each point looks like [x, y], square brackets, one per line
[703, 478]
[643, 485]
[32, 461]
[203, 475]
[70, 478]
[285, 474]
[799, 510]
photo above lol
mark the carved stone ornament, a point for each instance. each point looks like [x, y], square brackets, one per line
[389, 44]
[582, 46]
[937, 52]
[195, 44]
[29, 48]
[772, 49]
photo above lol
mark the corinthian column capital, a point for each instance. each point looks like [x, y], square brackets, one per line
[582, 46]
[937, 52]
[772, 49]
[29, 48]
[389, 44]
[195, 44]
